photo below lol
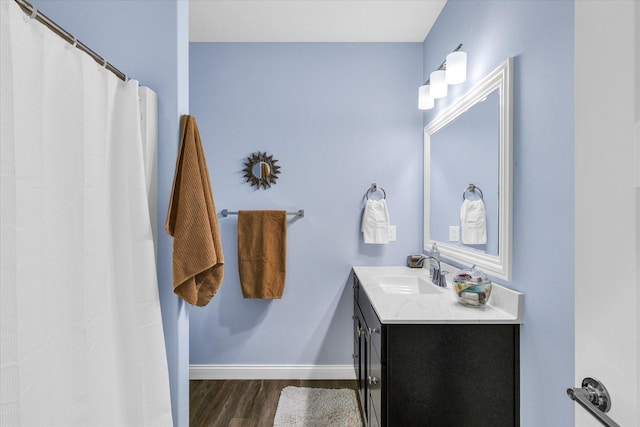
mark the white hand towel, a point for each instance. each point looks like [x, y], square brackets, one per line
[473, 222]
[375, 222]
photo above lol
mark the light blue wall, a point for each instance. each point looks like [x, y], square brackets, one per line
[338, 117]
[539, 35]
[147, 40]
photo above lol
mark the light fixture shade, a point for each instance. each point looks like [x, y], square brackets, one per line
[456, 67]
[438, 84]
[425, 100]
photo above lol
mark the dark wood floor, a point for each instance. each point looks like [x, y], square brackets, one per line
[250, 403]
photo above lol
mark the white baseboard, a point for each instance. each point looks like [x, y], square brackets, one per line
[272, 372]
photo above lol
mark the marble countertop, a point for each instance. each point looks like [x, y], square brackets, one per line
[505, 306]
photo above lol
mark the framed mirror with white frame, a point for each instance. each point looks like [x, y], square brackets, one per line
[471, 142]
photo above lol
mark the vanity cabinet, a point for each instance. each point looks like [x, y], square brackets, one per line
[454, 375]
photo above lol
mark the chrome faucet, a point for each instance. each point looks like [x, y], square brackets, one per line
[438, 277]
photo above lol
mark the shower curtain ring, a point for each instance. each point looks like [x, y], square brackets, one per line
[34, 12]
[104, 63]
[75, 42]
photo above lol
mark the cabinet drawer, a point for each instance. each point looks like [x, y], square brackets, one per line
[355, 284]
[372, 324]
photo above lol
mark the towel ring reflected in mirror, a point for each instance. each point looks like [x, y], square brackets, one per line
[374, 187]
[260, 170]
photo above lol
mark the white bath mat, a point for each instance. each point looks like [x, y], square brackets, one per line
[317, 407]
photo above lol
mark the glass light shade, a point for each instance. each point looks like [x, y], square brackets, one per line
[425, 100]
[438, 84]
[456, 67]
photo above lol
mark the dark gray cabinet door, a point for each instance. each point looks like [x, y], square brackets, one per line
[452, 375]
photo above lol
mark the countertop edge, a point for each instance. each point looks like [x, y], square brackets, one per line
[510, 297]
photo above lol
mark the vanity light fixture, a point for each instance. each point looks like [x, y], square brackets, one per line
[425, 100]
[456, 67]
[452, 71]
[438, 84]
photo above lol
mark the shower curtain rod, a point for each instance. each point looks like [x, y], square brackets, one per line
[33, 12]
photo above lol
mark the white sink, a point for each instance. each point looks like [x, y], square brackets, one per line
[407, 285]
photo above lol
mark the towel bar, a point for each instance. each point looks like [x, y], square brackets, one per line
[225, 213]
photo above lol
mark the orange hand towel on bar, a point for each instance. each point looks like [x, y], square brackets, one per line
[198, 262]
[262, 253]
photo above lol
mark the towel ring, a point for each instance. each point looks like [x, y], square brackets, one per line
[373, 189]
[472, 188]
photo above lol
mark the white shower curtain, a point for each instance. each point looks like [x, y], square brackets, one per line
[81, 333]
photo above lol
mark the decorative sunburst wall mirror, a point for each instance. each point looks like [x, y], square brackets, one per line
[261, 170]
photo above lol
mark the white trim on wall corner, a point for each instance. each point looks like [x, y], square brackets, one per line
[272, 372]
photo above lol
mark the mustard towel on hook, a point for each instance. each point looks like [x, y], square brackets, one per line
[198, 261]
